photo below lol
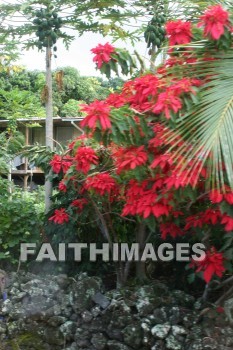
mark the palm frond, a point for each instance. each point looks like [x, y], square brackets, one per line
[208, 127]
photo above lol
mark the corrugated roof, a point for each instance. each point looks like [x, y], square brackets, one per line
[68, 119]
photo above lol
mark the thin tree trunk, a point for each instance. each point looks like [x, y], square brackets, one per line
[49, 122]
[141, 265]
[153, 58]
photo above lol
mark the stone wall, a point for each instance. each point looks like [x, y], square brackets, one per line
[58, 312]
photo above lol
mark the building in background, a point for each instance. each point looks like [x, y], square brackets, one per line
[65, 130]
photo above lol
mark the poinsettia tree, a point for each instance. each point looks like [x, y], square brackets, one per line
[127, 172]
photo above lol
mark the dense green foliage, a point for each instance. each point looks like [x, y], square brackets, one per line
[21, 92]
[21, 221]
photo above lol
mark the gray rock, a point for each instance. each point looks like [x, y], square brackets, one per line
[172, 343]
[159, 345]
[161, 330]
[68, 329]
[7, 307]
[70, 314]
[83, 291]
[87, 316]
[178, 330]
[99, 341]
[101, 300]
[56, 321]
[132, 335]
[160, 316]
[196, 345]
[54, 336]
[115, 334]
[115, 345]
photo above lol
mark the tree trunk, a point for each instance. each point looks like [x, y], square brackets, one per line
[141, 265]
[153, 58]
[49, 122]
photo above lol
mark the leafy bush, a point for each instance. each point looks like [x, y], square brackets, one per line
[20, 222]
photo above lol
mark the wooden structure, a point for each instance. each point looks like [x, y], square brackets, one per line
[65, 129]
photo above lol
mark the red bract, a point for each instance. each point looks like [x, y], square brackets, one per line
[102, 53]
[211, 265]
[209, 216]
[79, 203]
[167, 101]
[169, 228]
[214, 20]
[179, 32]
[130, 158]
[134, 192]
[145, 87]
[60, 163]
[60, 216]
[228, 222]
[97, 111]
[116, 100]
[164, 161]
[216, 196]
[185, 86]
[56, 163]
[66, 163]
[229, 197]
[62, 187]
[84, 158]
[143, 202]
[148, 205]
[102, 184]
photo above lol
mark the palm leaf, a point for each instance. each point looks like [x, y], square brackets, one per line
[208, 126]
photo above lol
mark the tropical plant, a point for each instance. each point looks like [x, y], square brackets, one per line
[20, 222]
[135, 171]
[131, 163]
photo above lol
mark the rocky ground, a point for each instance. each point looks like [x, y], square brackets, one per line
[59, 312]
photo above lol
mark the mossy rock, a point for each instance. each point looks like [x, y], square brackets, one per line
[26, 341]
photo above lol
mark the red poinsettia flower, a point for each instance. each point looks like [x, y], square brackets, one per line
[60, 216]
[102, 53]
[167, 101]
[144, 88]
[179, 32]
[185, 85]
[212, 264]
[216, 196]
[79, 203]
[85, 157]
[56, 163]
[164, 161]
[102, 183]
[228, 222]
[209, 217]
[60, 163]
[97, 111]
[134, 192]
[229, 197]
[66, 163]
[129, 158]
[148, 205]
[62, 187]
[169, 228]
[116, 100]
[214, 20]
